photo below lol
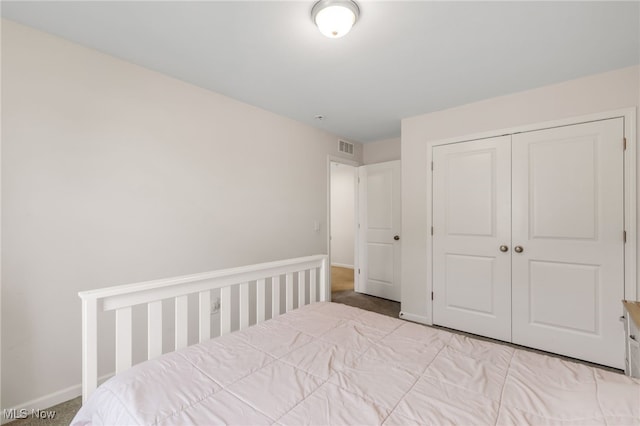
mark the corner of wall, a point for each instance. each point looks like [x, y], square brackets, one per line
[381, 151]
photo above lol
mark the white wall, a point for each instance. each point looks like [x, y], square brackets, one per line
[381, 151]
[603, 92]
[342, 214]
[112, 174]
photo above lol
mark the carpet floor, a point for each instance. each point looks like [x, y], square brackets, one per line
[342, 291]
[369, 303]
[64, 413]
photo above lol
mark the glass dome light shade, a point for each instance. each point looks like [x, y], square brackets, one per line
[335, 19]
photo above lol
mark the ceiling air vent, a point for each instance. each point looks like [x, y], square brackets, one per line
[346, 147]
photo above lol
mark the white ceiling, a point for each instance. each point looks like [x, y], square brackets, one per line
[401, 58]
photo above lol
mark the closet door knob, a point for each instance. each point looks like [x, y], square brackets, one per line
[504, 249]
[396, 237]
[518, 249]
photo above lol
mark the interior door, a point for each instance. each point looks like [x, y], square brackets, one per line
[471, 236]
[379, 230]
[568, 270]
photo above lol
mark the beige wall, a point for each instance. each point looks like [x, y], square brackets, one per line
[112, 174]
[381, 151]
[598, 93]
[343, 229]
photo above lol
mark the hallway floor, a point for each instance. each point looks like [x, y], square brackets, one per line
[342, 292]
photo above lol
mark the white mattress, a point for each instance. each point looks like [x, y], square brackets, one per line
[328, 363]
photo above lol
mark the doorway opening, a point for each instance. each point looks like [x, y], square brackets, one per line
[342, 233]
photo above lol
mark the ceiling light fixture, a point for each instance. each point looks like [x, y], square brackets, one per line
[335, 18]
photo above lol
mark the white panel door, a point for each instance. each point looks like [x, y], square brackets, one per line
[379, 222]
[567, 264]
[471, 237]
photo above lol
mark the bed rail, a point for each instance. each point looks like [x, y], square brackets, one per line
[123, 298]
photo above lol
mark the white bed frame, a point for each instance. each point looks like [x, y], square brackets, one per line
[122, 298]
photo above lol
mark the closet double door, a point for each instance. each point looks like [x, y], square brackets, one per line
[528, 240]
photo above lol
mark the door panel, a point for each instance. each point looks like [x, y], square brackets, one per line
[564, 296]
[472, 219]
[379, 253]
[379, 197]
[558, 168]
[471, 191]
[568, 218]
[459, 271]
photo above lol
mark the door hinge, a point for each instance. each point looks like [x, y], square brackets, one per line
[358, 180]
[431, 295]
[358, 271]
[624, 236]
[432, 166]
[432, 230]
[624, 143]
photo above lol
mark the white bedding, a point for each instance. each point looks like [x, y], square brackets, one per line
[328, 363]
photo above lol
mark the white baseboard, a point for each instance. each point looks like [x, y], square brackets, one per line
[414, 318]
[49, 400]
[342, 265]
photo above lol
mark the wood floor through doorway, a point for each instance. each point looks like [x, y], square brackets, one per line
[342, 291]
[341, 279]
